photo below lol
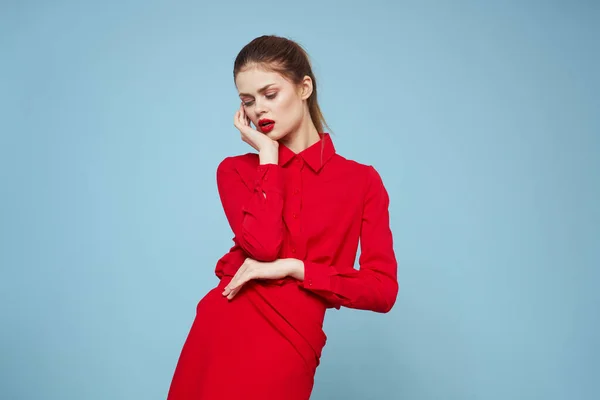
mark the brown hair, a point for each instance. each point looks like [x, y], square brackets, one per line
[285, 56]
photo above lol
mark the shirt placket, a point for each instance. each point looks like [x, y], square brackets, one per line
[293, 206]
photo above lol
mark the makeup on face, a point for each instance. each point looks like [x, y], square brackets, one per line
[266, 125]
[269, 99]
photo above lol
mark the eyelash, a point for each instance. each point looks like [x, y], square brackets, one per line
[268, 96]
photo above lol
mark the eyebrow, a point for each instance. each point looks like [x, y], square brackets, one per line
[262, 89]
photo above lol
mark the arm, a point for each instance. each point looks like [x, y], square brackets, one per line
[254, 210]
[374, 286]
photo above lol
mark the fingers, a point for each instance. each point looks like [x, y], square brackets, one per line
[247, 119]
[240, 121]
[243, 117]
[232, 291]
[236, 119]
[235, 282]
[243, 275]
[248, 134]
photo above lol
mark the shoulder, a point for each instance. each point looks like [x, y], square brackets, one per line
[365, 177]
[367, 173]
[237, 163]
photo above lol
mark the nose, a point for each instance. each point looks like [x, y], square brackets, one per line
[259, 107]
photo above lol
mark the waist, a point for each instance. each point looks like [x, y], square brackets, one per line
[286, 306]
[284, 292]
[230, 263]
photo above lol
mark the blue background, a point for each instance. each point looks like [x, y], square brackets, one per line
[482, 118]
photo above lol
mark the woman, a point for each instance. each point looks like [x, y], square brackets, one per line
[297, 210]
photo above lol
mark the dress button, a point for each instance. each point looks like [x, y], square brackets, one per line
[295, 216]
[294, 251]
[296, 191]
[310, 282]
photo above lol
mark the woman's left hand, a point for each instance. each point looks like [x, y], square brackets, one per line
[252, 269]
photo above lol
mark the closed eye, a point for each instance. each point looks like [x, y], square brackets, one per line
[269, 96]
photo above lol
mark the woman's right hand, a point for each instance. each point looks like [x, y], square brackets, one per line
[259, 141]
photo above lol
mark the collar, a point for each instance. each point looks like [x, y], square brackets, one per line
[312, 154]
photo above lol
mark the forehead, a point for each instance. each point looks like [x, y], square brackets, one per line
[250, 80]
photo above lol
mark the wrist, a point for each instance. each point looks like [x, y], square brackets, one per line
[295, 268]
[268, 155]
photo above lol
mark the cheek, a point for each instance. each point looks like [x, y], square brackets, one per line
[291, 109]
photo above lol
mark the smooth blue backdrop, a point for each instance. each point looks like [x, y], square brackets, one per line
[482, 118]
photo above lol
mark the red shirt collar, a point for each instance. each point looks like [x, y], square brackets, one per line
[310, 155]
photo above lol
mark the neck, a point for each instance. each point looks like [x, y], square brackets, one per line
[302, 138]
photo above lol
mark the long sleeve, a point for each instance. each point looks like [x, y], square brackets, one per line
[253, 209]
[374, 285]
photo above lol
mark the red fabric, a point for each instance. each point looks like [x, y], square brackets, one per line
[315, 206]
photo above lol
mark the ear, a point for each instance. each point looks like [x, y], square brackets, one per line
[306, 87]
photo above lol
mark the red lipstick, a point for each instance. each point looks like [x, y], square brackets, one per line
[266, 125]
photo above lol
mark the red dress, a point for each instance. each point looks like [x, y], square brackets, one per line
[266, 342]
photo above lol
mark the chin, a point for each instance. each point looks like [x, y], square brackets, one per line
[275, 135]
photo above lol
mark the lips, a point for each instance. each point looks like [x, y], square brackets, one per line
[266, 125]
